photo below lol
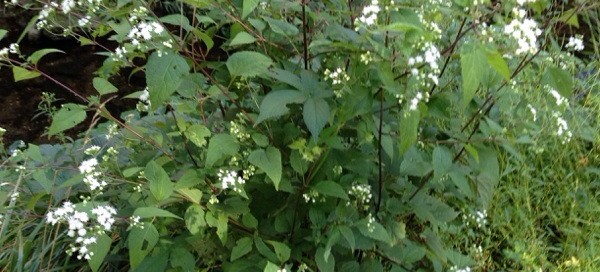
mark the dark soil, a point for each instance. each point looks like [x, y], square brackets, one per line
[75, 69]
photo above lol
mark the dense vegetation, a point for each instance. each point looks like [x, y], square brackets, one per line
[276, 135]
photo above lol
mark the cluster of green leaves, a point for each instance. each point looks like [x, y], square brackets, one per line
[263, 109]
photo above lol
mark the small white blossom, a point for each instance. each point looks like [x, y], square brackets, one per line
[105, 216]
[524, 31]
[575, 43]
[67, 5]
[230, 180]
[369, 14]
[13, 48]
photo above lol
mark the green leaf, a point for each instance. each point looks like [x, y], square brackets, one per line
[560, 80]
[401, 27]
[569, 17]
[103, 86]
[495, 60]
[181, 257]
[442, 161]
[473, 63]
[23, 74]
[242, 38]
[316, 115]
[193, 195]
[288, 78]
[2, 33]
[100, 249]
[67, 117]
[249, 220]
[147, 212]
[331, 188]
[163, 75]
[222, 221]
[275, 103]
[271, 267]
[242, 247]
[282, 251]
[248, 6]
[348, 235]
[194, 219]
[263, 249]
[177, 20]
[35, 57]
[159, 182]
[378, 232]
[428, 208]
[409, 128]
[269, 161]
[324, 265]
[197, 133]
[248, 64]
[141, 241]
[282, 27]
[219, 146]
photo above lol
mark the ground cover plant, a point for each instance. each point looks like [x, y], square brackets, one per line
[277, 135]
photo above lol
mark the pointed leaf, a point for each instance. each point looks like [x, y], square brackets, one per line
[473, 63]
[248, 64]
[269, 161]
[197, 133]
[316, 115]
[147, 212]
[159, 182]
[409, 128]
[35, 57]
[194, 218]
[242, 38]
[100, 249]
[163, 75]
[560, 80]
[103, 86]
[21, 73]
[248, 6]
[331, 188]
[219, 146]
[275, 103]
[67, 117]
[141, 241]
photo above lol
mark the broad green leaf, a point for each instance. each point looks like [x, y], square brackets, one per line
[177, 20]
[21, 73]
[41, 176]
[200, 4]
[68, 116]
[189, 179]
[163, 75]
[401, 27]
[35, 57]
[324, 265]
[181, 257]
[141, 241]
[473, 63]
[219, 146]
[103, 86]
[100, 249]
[248, 64]
[271, 267]
[222, 226]
[275, 103]
[159, 182]
[331, 188]
[495, 60]
[570, 17]
[194, 218]
[249, 220]
[489, 175]
[129, 172]
[197, 133]
[193, 195]
[462, 183]
[282, 27]
[263, 249]
[434, 243]
[242, 38]
[348, 235]
[269, 161]
[316, 115]
[287, 77]
[442, 161]
[248, 6]
[377, 231]
[409, 127]
[298, 163]
[431, 209]
[2, 33]
[560, 80]
[282, 251]
[147, 212]
[242, 247]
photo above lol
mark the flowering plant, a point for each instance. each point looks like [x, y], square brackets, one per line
[330, 135]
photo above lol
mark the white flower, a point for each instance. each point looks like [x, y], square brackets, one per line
[105, 216]
[67, 5]
[230, 179]
[369, 14]
[145, 96]
[575, 43]
[88, 166]
[92, 150]
[525, 31]
[560, 100]
[13, 48]
[84, 21]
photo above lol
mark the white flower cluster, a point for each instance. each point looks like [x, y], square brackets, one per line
[533, 111]
[523, 2]
[237, 128]
[230, 179]
[575, 43]
[312, 196]
[456, 269]
[144, 31]
[480, 218]
[366, 57]
[89, 168]
[144, 104]
[81, 227]
[338, 76]
[369, 14]
[362, 194]
[525, 31]
[13, 48]
[414, 103]
[560, 100]
[562, 128]
[431, 56]
[370, 221]
[113, 130]
[143, 36]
